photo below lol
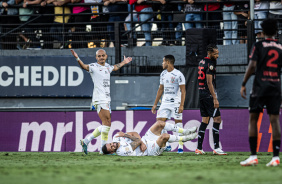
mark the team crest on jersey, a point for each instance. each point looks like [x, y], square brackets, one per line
[105, 72]
[172, 79]
[211, 67]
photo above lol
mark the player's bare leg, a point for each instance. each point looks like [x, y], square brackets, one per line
[104, 129]
[276, 140]
[253, 137]
[105, 117]
[168, 147]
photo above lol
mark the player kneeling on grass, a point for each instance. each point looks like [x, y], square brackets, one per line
[151, 144]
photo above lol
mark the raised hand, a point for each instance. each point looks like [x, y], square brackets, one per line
[74, 53]
[127, 59]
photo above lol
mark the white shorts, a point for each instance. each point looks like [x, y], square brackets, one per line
[150, 139]
[169, 111]
[149, 136]
[154, 149]
[98, 107]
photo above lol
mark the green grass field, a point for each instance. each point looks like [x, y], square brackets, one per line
[58, 168]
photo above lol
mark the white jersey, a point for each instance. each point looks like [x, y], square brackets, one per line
[149, 139]
[171, 81]
[125, 148]
[101, 78]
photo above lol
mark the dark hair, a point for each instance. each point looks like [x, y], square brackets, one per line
[170, 58]
[105, 150]
[269, 27]
[211, 47]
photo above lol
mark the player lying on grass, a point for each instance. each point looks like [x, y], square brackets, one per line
[151, 144]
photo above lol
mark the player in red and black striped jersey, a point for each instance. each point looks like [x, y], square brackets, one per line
[209, 105]
[265, 61]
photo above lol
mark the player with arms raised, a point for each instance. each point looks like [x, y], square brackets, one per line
[100, 74]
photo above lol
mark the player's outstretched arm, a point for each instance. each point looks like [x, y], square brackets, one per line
[250, 70]
[81, 64]
[125, 61]
[159, 94]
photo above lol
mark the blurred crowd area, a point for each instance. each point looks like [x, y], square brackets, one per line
[62, 24]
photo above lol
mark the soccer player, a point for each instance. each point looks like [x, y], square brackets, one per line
[209, 105]
[172, 85]
[152, 144]
[100, 74]
[265, 61]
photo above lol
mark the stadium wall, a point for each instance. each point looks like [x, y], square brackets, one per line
[36, 87]
[61, 131]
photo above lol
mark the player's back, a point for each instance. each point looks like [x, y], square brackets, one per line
[268, 54]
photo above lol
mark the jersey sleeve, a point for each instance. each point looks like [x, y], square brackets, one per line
[161, 79]
[181, 79]
[116, 139]
[210, 68]
[111, 68]
[254, 53]
[91, 68]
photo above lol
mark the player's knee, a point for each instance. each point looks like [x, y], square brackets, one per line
[217, 119]
[106, 121]
[164, 137]
[160, 124]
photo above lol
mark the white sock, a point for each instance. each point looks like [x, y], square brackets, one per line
[171, 127]
[104, 137]
[179, 125]
[180, 143]
[174, 138]
[90, 137]
[254, 156]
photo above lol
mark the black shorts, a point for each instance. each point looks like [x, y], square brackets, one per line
[272, 104]
[207, 108]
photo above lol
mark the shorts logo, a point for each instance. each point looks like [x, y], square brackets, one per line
[211, 67]
[172, 79]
